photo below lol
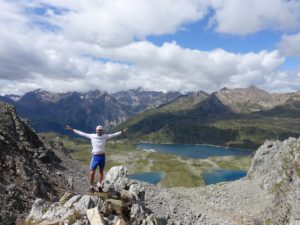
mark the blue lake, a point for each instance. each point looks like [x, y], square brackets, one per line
[217, 176]
[150, 177]
[195, 151]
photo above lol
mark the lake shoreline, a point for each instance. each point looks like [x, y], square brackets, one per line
[210, 145]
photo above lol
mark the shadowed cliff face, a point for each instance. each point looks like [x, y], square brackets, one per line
[28, 168]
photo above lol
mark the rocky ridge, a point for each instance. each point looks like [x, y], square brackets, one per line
[140, 99]
[121, 203]
[30, 167]
[251, 99]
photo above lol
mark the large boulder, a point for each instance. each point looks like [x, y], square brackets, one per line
[116, 179]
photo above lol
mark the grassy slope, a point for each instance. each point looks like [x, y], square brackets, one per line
[172, 124]
[178, 171]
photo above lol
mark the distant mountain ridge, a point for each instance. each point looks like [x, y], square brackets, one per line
[232, 117]
[50, 111]
[140, 99]
[239, 117]
[251, 99]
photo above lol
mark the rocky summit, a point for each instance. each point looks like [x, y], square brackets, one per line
[121, 203]
[30, 167]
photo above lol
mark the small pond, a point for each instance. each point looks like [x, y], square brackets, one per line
[217, 176]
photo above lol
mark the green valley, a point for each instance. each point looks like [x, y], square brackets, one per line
[179, 171]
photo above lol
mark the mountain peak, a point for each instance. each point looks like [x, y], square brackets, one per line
[250, 99]
[139, 89]
[13, 97]
[253, 87]
[46, 96]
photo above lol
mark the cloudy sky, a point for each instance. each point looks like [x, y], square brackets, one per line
[182, 45]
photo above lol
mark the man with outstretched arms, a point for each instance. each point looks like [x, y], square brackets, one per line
[98, 141]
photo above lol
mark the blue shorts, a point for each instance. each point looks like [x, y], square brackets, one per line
[97, 160]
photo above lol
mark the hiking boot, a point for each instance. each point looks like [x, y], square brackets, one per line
[100, 189]
[92, 190]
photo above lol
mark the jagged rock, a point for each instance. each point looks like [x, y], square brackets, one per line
[66, 197]
[111, 219]
[46, 213]
[74, 208]
[106, 208]
[72, 201]
[137, 213]
[94, 216]
[71, 183]
[38, 208]
[137, 191]
[121, 222]
[150, 220]
[58, 213]
[2, 189]
[23, 171]
[116, 179]
[85, 202]
[116, 205]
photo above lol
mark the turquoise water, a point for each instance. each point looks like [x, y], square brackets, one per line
[217, 176]
[211, 177]
[150, 177]
[194, 151]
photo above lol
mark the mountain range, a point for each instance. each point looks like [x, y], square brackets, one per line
[50, 111]
[238, 117]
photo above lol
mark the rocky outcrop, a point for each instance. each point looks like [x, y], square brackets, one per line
[122, 203]
[269, 194]
[29, 167]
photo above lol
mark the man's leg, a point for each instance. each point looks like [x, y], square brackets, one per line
[101, 176]
[101, 172]
[93, 167]
[92, 178]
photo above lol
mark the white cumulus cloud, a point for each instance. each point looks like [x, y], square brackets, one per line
[290, 45]
[80, 45]
[118, 22]
[249, 16]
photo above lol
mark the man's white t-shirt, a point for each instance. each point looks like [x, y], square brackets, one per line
[98, 142]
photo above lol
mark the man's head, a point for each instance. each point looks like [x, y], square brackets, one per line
[99, 130]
